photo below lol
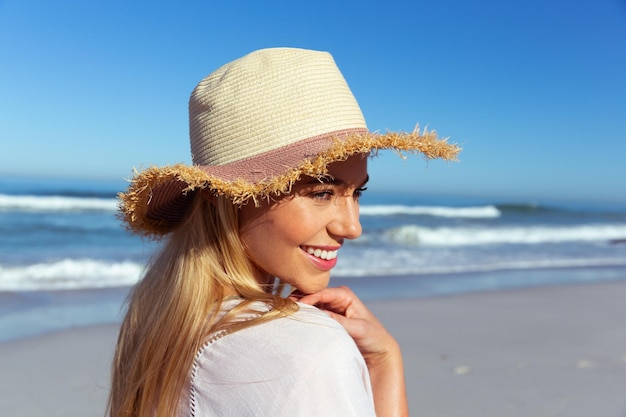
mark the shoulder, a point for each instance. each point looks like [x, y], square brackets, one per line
[307, 359]
[307, 333]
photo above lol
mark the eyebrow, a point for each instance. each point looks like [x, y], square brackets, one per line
[334, 181]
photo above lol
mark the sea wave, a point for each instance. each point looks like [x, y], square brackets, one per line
[70, 203]
[70, 274]
[488, 211]
[465, 236]
[56, 203]
[401, 266]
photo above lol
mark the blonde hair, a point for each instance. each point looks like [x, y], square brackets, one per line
[176, 306]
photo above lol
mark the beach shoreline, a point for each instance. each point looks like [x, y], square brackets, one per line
[540, 351]
[31, 313]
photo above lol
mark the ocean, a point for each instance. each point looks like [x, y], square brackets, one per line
[65, 259]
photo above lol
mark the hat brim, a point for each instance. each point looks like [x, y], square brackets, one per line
[158, 198]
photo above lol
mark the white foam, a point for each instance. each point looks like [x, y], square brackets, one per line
[70, 274]
[464, 236]
[89, 273]
[55, 203]
[408, 263]
[479, 212]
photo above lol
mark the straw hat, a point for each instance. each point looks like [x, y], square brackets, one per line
[258, 124]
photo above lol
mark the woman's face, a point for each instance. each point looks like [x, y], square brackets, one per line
[297, 237]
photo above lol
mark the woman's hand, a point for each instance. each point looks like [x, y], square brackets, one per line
[343, 305]
[379, 349]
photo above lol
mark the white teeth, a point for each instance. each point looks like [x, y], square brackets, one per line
[323, 254]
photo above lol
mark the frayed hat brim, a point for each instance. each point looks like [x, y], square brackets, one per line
[157, 199]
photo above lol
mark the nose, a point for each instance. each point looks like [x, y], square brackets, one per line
[346, 223]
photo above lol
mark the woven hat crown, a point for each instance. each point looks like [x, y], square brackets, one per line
[267, 100]
[257, 125]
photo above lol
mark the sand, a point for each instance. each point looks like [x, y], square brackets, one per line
[554, 351]
[557, 351]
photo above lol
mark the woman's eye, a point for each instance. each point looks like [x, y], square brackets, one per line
[358, 192]
[323, 195]
[329, 194]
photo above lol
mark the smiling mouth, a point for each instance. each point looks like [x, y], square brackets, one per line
[324, 254]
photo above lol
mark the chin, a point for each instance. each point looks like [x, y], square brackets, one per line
[310, 289]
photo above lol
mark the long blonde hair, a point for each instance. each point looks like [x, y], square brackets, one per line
[176, 305]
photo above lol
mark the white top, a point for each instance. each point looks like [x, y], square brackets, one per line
[305, 364]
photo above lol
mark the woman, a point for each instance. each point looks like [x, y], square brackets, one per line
[223, 322]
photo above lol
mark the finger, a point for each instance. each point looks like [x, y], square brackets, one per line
[310, 299]
[340, 300]
[296, 295]
[336, 305]
[324, 296]
[339, 296]
[341, 319]
[356, 328]
[338, 317]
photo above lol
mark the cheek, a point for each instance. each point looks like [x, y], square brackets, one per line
[264, 242]
[272, 236]
[273, 233]
[252, 238]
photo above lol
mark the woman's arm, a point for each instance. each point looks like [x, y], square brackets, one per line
[379, 349]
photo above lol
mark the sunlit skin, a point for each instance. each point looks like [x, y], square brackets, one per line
[317, 216]
[278, 237]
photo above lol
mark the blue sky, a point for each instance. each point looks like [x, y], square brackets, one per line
[534, 91]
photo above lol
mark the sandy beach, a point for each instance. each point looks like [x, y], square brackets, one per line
[551, 351]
